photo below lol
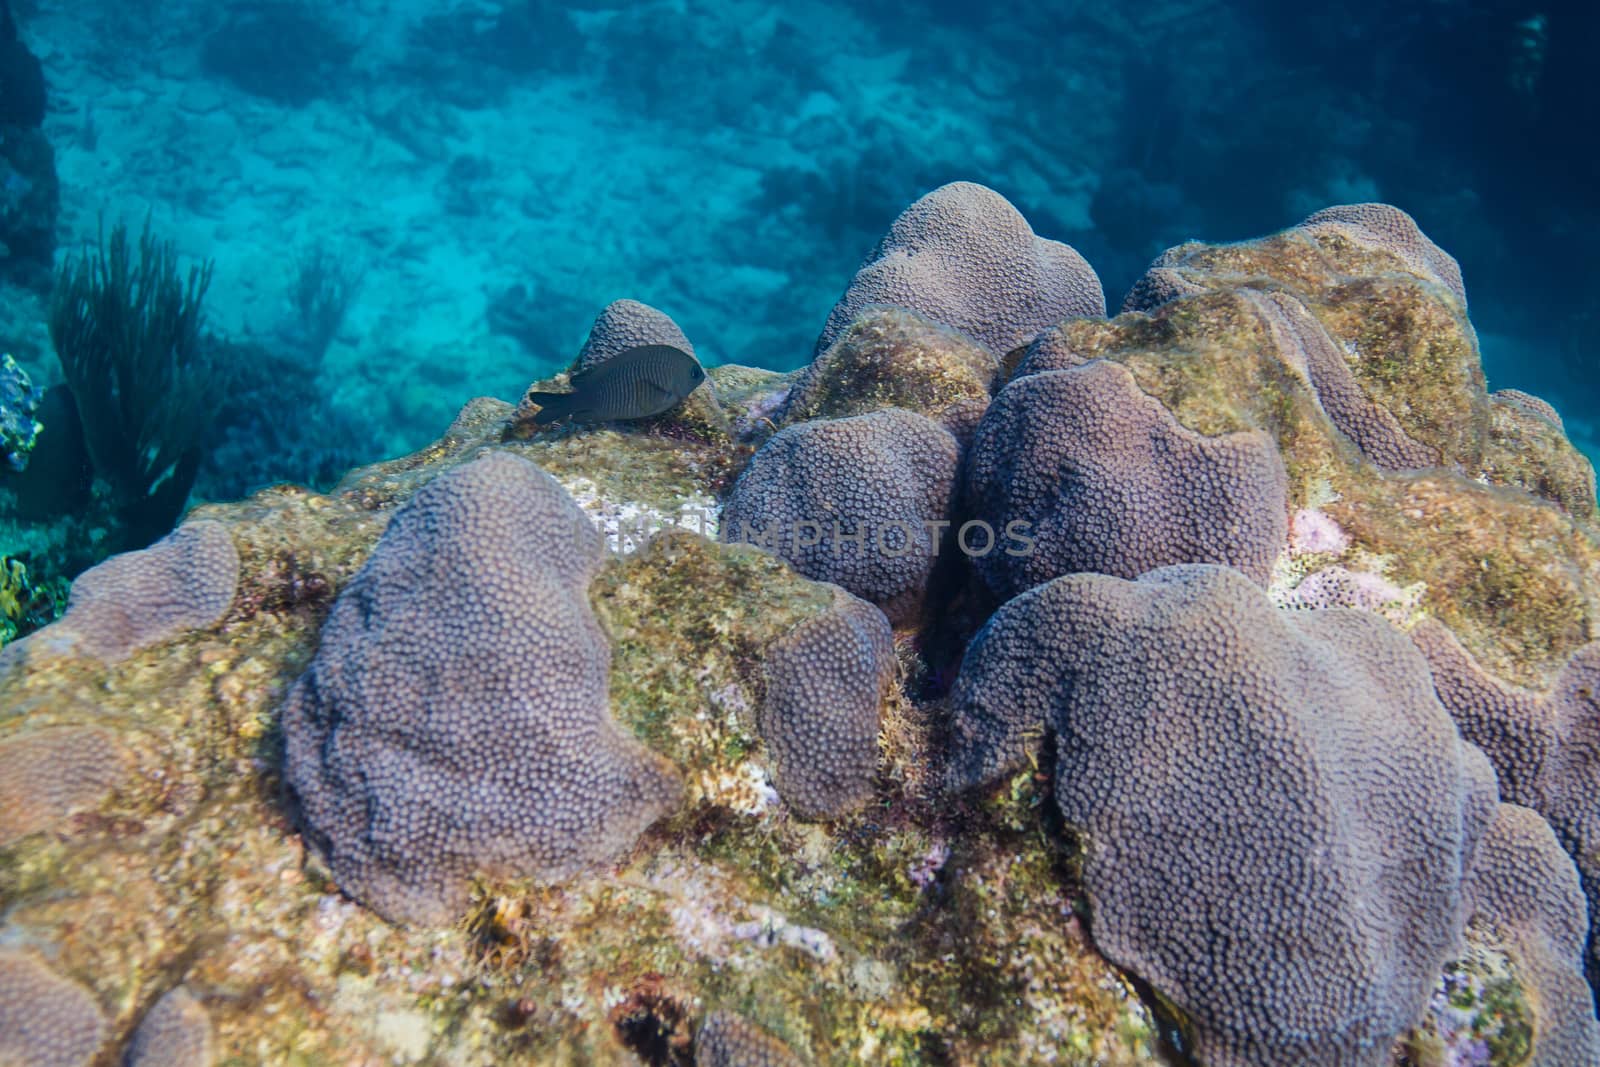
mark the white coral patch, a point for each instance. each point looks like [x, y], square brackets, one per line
[626, 525]
[1313, 531]
[770, 930]
[744, 789]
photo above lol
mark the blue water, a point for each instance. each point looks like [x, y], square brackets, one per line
[483, 177]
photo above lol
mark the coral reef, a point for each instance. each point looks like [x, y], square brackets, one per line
[638, 793]
[725, 1040]
[185, 581]
[1545, 747]
[964, 257]
[1292, 770]
[48, 774]
[1244, 338]
[826, 683]
[176, 1032]
[1524, 886]
[454, 720]
[861, 502]
[1101, 478]
[45, 1020]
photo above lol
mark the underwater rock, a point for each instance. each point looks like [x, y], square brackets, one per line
[1545, 747]
[45, 1020]
[1100, 477]
[1291, 771]
[963, 256]
[826, 683]
[455, 718]
[1525, 887]
[1372, 314]
[892, 358]
[861, 502]
[185, 581]
[922, 926]
[19, 400]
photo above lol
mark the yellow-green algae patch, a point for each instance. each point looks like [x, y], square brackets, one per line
[1481, 1000]
[838, 938]
[1513, 569]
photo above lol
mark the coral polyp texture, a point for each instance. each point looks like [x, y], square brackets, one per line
[1291, 771]
[1104, 479]
[625, 324]
[49, 773]
[725, 1040]
[504, 752]
[455, 718]
[855, 501]
[45, 1020]
[1524, 887]
[185, 581]
[1545, 746]
[176, 1032]
[965, 257]
[826, 683]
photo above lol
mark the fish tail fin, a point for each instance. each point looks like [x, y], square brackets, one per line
[552, 406]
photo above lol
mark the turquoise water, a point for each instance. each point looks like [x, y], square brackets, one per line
[494, 174]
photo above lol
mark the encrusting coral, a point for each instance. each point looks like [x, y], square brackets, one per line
[1524, 886]
[964, 256]
[643, 795]
[856, 501]
[185, 581]
[45, 1020]
[1102, 478]
[455, 717]
[176, 1032]
[1292, 771]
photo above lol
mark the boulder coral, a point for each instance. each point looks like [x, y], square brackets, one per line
[455, 717]
[1100, 477]
[826, 682]
[862, 502]
[1545, 746]
[45, 1020]
[965, 257]
[1292, 771]
[1524, 886]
